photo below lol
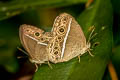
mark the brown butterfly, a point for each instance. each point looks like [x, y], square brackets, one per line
[65, 41]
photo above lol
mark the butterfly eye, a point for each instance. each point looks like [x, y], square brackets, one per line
[37, 34]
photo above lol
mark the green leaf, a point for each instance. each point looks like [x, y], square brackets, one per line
[15, 7]
[90, 68]
[8, 45]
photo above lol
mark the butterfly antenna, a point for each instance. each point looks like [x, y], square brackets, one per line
[91, 34]
[90, 53]
[22, 50]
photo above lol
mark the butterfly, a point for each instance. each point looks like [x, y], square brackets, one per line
[65, 41]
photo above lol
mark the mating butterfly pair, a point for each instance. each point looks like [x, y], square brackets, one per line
[65, 41]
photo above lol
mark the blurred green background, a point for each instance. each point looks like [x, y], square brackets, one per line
[104, 14]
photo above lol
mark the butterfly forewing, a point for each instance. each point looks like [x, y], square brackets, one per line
[30, 37]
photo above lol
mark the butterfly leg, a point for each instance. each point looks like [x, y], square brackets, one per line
[36, 66]
[90, 53]
[90, 37]
[49, 65]
[79, 58]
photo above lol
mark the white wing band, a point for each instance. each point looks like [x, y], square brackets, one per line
[65, 39]
[38, 42]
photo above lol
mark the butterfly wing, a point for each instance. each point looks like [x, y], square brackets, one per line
[76, 41]
[72, 38]
[60, 31]
[33, 41]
